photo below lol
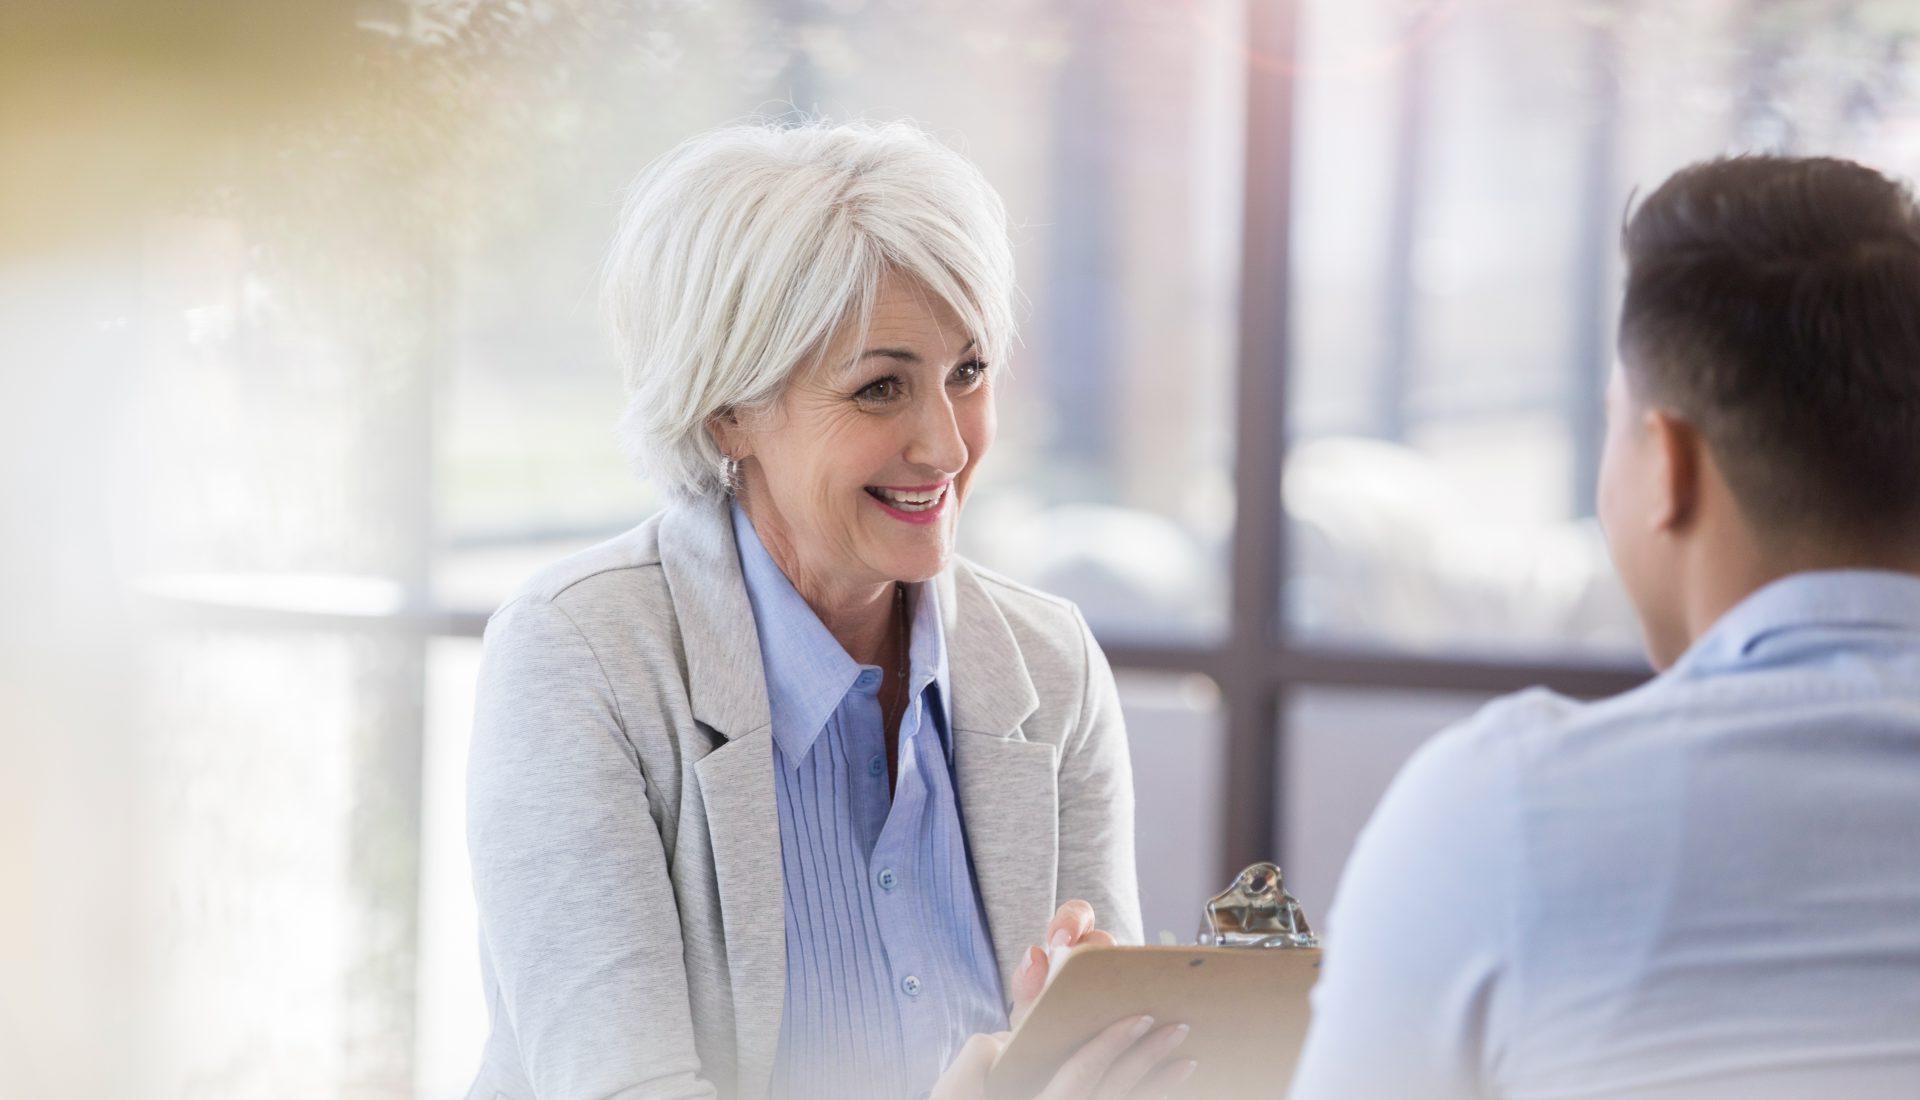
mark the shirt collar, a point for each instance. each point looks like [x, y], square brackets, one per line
[927, 658]
[808, 672]
[1817, 598]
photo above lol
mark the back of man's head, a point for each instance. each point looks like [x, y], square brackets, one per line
[1774, 304]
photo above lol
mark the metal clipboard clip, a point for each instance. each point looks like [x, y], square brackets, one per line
[1256, 911]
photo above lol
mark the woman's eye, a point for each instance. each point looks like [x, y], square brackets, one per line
[885, 389]
[970, 372]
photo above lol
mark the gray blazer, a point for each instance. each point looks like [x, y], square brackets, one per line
[622, 825]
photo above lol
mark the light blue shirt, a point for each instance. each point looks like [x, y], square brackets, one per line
[1706, 887]
[889, 964]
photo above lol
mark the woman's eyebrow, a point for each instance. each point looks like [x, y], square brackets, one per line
[904, 355]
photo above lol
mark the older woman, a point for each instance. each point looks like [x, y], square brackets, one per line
[774, 794]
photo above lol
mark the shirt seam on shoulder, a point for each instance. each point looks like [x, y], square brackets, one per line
[990, 577]
[562, 590]
[618, 715]
[502, 609]
[1086, 678]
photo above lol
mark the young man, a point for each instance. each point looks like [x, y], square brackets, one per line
[1709, 886]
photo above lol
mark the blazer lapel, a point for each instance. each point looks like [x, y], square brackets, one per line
[736, 785]
[1007, 785]
[1009, 801]
[726, 684]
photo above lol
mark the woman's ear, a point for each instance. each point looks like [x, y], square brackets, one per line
[728, 435]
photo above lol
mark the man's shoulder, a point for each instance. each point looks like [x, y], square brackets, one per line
[1535, 713]
[1494, 763]
[1538, 727]
[1503, 731]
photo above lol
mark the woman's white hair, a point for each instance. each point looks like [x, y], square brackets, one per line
[743, 251]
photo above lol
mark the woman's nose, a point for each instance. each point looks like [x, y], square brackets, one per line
[937, 442]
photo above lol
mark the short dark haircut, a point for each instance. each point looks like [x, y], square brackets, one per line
[1774, 304]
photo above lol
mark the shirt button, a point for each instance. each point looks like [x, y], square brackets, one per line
[911, 984]
[877, 766]
[868, 678]
[887, 878]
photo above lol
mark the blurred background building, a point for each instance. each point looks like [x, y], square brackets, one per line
[303, 374]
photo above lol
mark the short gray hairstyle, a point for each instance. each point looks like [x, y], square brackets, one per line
[743, 251]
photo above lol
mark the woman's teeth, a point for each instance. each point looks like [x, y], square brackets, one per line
[910, 501]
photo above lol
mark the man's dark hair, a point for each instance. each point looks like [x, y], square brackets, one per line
[1774, 304]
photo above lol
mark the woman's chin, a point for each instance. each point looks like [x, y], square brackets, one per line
[918, 563]
[911, 553]
[916, 572]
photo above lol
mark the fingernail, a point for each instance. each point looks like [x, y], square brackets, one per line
[1188, 1071]
[1026, 960]
[1179, 1036]
[1060, 938]
[1142, 1026]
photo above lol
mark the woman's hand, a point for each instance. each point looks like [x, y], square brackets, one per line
[1127, 1061]
[1071, 926]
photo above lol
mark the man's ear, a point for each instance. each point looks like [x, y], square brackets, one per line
[1679, 456]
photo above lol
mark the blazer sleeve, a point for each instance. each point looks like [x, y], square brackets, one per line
[1096, 803]
[577, 913]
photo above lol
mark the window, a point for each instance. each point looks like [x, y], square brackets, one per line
[1305, 415]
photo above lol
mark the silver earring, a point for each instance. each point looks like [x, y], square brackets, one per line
[730, 473]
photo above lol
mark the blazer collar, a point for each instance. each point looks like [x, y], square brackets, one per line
[726, 680]
[726, 683]
[808, 673]
[1007, 785]
[992, 693]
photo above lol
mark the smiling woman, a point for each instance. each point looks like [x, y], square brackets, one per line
[856, 476]
[743, 253]
[775, 794]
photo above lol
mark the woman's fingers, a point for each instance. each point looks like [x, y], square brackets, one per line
[966, 1076]
[1029, 978]
[1071, 926]
[1072, 921]
[1131, 1069]
[1162, 1081]
[1080, 1074]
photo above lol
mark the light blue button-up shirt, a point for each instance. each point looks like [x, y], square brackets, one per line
[1706, 887]
[889, 964]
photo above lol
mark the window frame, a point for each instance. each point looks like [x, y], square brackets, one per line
[1259, 662]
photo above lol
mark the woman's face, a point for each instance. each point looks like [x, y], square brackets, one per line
[856, 476]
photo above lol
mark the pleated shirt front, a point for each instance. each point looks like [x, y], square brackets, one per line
[889, 963]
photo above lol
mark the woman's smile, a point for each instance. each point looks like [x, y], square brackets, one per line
[914, 504]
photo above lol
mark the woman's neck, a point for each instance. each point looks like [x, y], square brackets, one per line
[858, 615]
[862, 622]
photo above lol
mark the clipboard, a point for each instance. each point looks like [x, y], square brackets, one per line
[1247, 1007]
